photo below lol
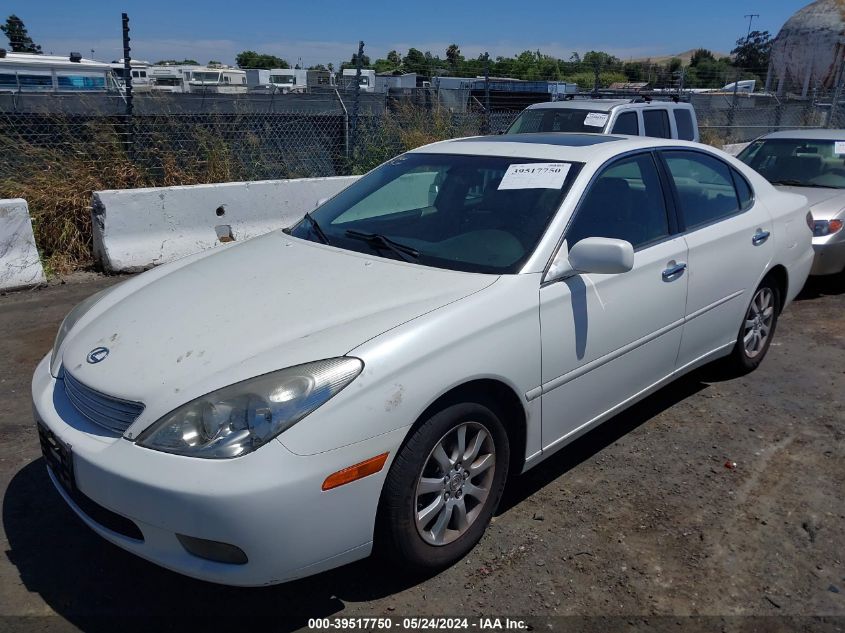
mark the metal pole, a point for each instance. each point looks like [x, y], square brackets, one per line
[355, 100]
[127, 82]
[127, 64]
[486, 123]
[834, 105]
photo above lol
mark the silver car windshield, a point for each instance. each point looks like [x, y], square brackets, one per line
[472, 213]
[798, 162]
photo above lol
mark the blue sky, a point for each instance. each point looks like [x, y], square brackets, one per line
[328, 31]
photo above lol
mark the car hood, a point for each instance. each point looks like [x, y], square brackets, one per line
[825, 203]
[269, 303]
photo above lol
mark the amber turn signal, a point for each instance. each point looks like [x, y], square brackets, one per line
[352, 473]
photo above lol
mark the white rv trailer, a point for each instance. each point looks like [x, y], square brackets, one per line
[139, 70]
[286, 80]
[28, 72]
[367, 83]
[217, 80]
[170, 78]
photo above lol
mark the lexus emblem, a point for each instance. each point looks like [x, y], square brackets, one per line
[98, 354]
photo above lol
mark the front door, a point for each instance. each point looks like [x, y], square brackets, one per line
[607, 338]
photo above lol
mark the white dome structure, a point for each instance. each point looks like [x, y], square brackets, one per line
[808, 50]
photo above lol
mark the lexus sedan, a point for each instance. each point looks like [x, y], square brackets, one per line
[369, 378]
[810, 162]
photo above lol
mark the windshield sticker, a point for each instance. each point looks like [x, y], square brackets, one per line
[839, 147]
[535, 176]
[595, 119]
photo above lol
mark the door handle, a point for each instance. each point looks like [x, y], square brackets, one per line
[672, 271]
[760, 237]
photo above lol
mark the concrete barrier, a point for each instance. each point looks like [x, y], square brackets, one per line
[20, 265]
[135, 229]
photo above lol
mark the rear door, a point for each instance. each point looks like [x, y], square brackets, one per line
[730, 245]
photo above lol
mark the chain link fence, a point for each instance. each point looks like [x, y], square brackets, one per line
[56, 149]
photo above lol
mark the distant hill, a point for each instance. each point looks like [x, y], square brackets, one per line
[685, 57]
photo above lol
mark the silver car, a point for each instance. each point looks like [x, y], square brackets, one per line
[810, 162]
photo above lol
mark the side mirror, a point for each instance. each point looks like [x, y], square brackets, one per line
[601, 255]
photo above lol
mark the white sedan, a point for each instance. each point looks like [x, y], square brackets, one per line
[371, 377]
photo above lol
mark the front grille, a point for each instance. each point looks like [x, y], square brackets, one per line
[109, 412]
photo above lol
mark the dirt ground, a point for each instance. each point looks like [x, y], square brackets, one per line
[638, 525]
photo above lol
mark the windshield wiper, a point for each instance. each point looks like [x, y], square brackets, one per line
[790, 183]
[315, 225]
[377, 240]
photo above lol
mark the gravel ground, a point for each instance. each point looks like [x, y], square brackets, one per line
[638, 525]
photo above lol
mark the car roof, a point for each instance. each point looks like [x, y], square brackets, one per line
[812, 134]
[602, 105]
[552, 146]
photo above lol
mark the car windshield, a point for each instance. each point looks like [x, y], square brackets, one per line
[471, 213]
[798, 162]
[558, 120]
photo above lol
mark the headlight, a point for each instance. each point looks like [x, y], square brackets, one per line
[823, 228]
[67, 325]
[238, 419]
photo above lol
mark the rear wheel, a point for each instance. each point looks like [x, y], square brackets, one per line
[444, 486]
[757, 329]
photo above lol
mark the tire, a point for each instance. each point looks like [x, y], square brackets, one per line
[420, 521]
[756, 330]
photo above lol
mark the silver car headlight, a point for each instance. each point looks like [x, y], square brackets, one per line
[237, 419]
[67, 325]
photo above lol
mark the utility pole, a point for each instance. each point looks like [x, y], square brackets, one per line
[750, 17]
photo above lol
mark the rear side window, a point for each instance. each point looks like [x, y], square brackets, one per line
[625, 202]
[627, 123]
[705, 187]
[656, 123]
[683, 121]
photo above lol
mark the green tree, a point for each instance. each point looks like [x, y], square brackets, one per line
[251, 59]
[19, 38]
[415, 62]
[753, 52]
[173, 62]
[700, 55]
[453, 56]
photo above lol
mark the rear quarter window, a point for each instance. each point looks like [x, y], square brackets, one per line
[683, 121]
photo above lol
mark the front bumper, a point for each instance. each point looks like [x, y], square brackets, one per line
[830, 256]
[268, 503]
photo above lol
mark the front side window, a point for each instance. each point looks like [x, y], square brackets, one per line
[705, 187]
[625, 202]
[558, 120]
[656, 123]
[798, 162]
[627, 123]
[473, 213]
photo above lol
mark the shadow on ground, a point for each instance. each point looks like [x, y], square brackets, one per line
[829, 285]
[99, 587]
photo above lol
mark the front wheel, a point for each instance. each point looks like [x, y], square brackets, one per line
[757, 329]
[444, 486]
